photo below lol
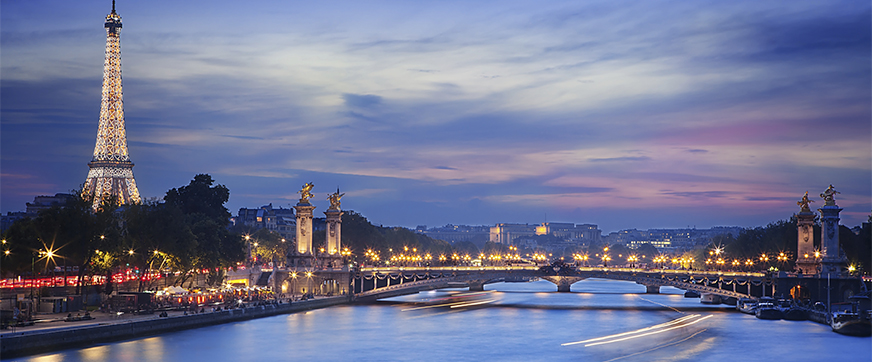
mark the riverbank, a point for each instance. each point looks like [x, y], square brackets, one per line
[62, 336]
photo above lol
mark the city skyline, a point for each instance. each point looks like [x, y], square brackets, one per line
[655, 115]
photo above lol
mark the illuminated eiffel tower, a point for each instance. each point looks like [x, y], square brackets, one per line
[111, 172]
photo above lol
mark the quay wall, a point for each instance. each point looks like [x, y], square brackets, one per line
[34, 342]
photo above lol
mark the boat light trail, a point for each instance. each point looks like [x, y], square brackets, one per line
[679, 320]
[677, 323]
[473, 303]
[658, 347]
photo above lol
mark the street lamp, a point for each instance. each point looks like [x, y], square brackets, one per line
[764, 259]
[309, 282]
[606, 259]
[293, 285]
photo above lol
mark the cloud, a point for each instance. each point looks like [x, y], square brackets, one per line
[621, 159]
[704, 194]
[243, 137]
[569, 106]
[361, 101]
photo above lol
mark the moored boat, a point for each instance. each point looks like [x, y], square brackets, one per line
[766, 309]
[710, 299]
[747, 305]
[691, 294]
[795, 314]
[851, 319]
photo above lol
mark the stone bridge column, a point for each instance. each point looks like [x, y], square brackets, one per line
[563, 282]
[832, 259]
[304, 227]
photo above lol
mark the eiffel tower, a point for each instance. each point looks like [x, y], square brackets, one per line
[111, 172]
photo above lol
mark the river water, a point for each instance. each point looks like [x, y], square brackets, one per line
[601, 320]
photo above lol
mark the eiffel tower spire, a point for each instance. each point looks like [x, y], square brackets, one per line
[111, 172]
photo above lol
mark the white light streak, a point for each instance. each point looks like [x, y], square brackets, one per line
[681, 322]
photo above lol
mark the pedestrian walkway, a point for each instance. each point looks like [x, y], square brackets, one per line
[55, 322]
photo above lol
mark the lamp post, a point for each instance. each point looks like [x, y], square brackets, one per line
[764, 259]
[32, 276]
[309, 282]
[293, 285]
[33, 279]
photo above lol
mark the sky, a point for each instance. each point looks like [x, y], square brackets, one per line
[628, 114]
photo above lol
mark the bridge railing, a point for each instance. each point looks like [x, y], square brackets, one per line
[446, 268]
[580, 269]
[676, 271]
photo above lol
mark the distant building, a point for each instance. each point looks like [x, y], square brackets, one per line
[506, 233]
[281, 220]
[565, 235]
[10, 218]
[627, 237]
[41, 203]
[670, 240]
[456, 233]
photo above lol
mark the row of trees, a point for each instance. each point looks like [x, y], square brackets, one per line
[772, 240]
[360, 236]
[186, 232]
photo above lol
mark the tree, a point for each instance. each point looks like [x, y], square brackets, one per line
[203, 208]
[857, 247]
[359, 235]
[466, 248]
[271, 246]
[158, 237]
[646, 252]
[200, 197]
[71, 233]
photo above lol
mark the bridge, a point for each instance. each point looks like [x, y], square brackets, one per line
[369, 284]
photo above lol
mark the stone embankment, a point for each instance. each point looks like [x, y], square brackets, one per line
[47, 340]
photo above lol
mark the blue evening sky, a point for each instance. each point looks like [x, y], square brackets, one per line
[619, 113]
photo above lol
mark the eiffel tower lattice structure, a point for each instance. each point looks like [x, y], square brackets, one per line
[111, 172]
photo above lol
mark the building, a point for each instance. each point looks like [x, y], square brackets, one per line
[627, 237]
[670, 240]
[505, 233]
[569, 234]
[280, 220]
[10, 218]
[40, 203]
[456, 233]
[46, 202]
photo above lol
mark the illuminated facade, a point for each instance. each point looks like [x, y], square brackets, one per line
[505, 233]
[280, 220]
[111, 172]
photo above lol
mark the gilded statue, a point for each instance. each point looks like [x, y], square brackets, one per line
[305, 195]
[804, 203]
[335, 200]
[828, 196]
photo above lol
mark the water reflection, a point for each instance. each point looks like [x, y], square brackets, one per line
[525, 322]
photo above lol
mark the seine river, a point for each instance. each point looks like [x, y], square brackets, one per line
[600, 321]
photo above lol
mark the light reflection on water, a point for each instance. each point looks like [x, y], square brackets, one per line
[527, 322]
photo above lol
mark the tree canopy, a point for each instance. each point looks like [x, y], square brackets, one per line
[186, 232]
